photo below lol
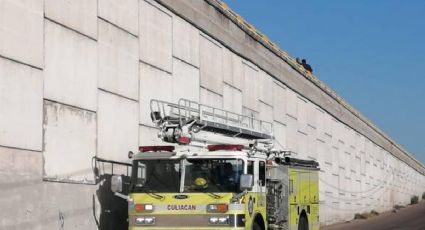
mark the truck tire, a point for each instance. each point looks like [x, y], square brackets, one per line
[303, 224]
[256, 226]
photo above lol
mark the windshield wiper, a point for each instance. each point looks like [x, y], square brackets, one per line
[151, 193]
[213, 195]
[156, 195]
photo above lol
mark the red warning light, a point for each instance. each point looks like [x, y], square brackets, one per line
[184, 140]
[225, 147]
[158, 148]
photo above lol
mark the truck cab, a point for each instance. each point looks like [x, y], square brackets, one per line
[199, 189]
[220, 171]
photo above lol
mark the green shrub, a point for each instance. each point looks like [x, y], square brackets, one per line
[397, 206]
[373, 212]
[359, 216]
[366, 215]
[414, 200]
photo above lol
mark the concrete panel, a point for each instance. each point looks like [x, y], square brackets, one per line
[185, 81]
[124, 14]
[70, 73]
[21, 31]
[232, 69]
[210, 98]
[20, 171]
[266, 88]
[149, 136]
[302, 114]
[21, 103]
[155, 36]
[118, 61]
[291, 103]
[292, 134]
[232, 99]
[280, 136]
[279, 103]
[320, 123]
[49, 206]
[80, 15]
[69, 142]
[211, 65]
[250, 90]
[154, 84]
[312, 142]
[321, 153]
[312, 115]
[117, 129]
[302, 145]
[265, 112]
[185, 41]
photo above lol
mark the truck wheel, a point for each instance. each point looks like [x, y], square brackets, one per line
[256, 226]
[303, 224]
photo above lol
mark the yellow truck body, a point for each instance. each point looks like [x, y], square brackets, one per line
[285, 200]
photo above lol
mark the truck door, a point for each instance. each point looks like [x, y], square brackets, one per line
[262, 183]
[293, 198]
[314, 200]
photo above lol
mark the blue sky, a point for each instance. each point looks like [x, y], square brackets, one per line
[371, 52]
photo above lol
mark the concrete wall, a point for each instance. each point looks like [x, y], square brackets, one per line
[76, 78]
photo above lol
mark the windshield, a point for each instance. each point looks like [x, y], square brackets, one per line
[200, 175]
[156, 176]
[212, 175]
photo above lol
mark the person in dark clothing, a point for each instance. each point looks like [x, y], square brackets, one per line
[306, 66]
[298, 61]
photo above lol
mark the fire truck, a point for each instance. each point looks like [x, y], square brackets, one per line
[219, 171]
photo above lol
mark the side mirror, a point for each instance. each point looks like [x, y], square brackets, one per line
[246, 182]
[116, 183]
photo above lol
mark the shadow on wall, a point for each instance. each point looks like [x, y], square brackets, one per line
[113, 209]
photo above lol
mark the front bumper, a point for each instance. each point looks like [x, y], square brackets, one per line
[197, 221]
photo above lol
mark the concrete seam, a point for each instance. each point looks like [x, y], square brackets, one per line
[148, 126]
[279, 122]
[45, 179]
[117, 94]
[156, 67]
[69, 28]
[19, 62]
[186, 62]
[211, 91]
[72, 106]
[117, 26]
[19, 148]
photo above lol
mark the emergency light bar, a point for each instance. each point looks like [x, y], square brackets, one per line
[157, 148]
[225, 147]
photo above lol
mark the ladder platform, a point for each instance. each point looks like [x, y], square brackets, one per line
[208, 118]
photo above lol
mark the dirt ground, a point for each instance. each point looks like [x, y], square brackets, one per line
[411, 217]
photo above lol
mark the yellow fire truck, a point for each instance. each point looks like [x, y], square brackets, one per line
[221, 172]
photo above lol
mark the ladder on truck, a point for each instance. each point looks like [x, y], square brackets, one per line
[179, 121]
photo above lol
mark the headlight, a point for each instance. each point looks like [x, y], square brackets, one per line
[213, 220]
[222, 220]
[140, 220]
[143, 207]
[217, 208]
[219, 220]
[150, 220]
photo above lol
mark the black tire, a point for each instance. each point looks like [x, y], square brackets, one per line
[256, 226]
[303, 224]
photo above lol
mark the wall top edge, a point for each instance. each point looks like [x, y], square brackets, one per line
[262, 39]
